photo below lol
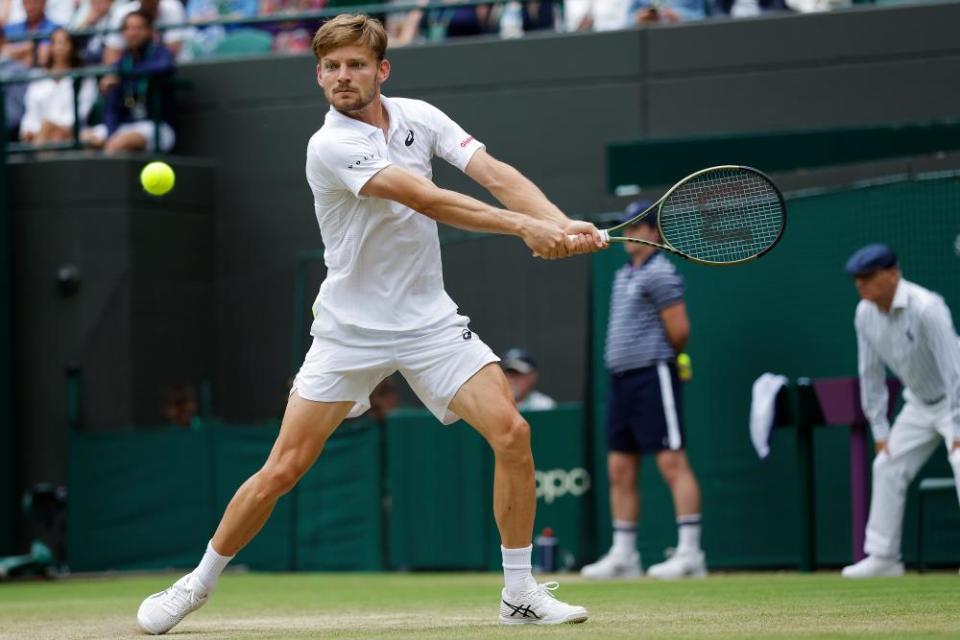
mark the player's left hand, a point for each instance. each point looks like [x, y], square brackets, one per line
[585, 238]
[956, 445]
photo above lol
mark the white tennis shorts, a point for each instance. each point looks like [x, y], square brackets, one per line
[344, 364]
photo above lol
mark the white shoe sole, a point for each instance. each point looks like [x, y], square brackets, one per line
[576, 618]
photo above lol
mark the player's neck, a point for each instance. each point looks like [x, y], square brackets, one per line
[375, 114]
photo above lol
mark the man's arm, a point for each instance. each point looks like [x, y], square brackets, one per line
[546, 240]
[676, 325]
[873, 389]
[518, 193]
[942, 339]
[514, 190]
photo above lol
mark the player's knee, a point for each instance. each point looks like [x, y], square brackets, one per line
[277, 479]
[514, 440]
[622, 472]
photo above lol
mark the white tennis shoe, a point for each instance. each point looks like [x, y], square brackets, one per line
[162, 611]
[683, 563]
[614, 565]
[538, 606]
[874, 567]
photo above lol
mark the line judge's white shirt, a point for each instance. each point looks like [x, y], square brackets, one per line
[383, 259]
[918, 342]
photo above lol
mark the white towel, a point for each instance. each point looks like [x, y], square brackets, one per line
[762, 407]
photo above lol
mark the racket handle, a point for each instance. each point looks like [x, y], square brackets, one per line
[604, 235]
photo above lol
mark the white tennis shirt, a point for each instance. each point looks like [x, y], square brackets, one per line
[917, 340]
[383, 258]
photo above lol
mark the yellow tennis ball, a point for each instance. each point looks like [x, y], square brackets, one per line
[157, 178]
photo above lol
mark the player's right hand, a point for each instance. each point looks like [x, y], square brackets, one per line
[545, 239]
[881, 446]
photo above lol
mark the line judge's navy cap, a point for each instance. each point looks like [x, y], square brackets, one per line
[870, 258]
[519, 360]
[634, 209]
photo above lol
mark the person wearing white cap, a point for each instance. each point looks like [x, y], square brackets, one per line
[909, 329]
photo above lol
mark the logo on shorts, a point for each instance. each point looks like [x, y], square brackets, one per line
[467, 334]
[409, 140]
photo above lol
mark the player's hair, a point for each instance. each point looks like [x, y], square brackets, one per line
[348, 29]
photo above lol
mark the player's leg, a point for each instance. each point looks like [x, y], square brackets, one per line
[304, 431]
[912, 440]
[623, 463]
[486, 403]
[335, 381]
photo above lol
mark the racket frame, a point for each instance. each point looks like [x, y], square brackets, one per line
[605, 233]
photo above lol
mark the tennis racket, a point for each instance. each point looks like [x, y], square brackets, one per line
[718, 216]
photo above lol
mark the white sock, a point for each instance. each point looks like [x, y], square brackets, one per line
[517, 574]
[688, 532]
[624, 538]
[211, 566]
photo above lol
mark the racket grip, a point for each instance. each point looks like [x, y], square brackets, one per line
[604, 235]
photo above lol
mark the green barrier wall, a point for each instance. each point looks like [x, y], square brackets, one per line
[791, 313]
[441, 487]
[151, 499]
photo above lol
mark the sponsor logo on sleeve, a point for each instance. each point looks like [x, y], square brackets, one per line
[362, 160]
[466, 141]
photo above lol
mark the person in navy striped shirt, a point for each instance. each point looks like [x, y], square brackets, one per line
[647, 328]
[909, 329]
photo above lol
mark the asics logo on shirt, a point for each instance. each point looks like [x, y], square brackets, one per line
[467, 334]
[409, 140]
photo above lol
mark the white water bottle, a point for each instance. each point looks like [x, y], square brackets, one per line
[511, 20]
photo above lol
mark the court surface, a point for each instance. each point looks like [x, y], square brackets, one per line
[464, 606]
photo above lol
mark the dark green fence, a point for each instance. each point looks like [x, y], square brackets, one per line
[790, 313]
[150, 499]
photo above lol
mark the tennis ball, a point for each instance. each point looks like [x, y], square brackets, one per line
[157, 178]
[684, 367]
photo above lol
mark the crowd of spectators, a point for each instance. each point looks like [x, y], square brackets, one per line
[53, 37]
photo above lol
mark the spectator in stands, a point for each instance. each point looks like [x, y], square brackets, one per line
[160, 12]
[13, 94]
[651, 11]
[747, 8]
[35, 23]
[60, 12]
[204, 10]
[445, 22]
[179, 405]
[137, 93]
[522, 374]
[94, 15]
[293, 36]
[49, 115]
[595, 15]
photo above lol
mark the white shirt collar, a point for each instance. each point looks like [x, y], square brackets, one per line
[363, 127]
[901, 296]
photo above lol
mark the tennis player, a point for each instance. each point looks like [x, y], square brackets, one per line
[909, 329]
[383, 308]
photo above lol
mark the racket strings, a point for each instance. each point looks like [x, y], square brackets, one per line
[726, 214]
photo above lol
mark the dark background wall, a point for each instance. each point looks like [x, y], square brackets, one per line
[547, 104]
